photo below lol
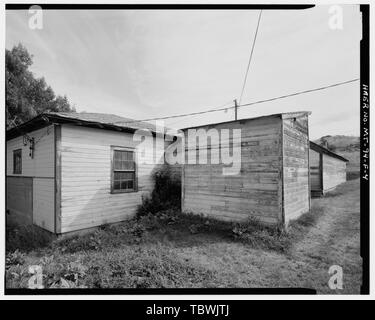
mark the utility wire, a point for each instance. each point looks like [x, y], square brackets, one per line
[299, 93]
[181, 115]
[245, 104]
[251, 55]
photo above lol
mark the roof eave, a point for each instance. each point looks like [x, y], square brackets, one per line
[45, 119]
[320, 148]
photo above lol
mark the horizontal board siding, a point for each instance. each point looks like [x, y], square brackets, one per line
[334, 172]
[254, 192]
[86, 199]
[295, 171]
[44, 203]
[42, 164]
[315, 177]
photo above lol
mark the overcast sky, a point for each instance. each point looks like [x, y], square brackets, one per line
[144, 64]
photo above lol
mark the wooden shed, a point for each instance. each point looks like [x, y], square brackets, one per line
[327, 169]
[272, 184]
[72, 171]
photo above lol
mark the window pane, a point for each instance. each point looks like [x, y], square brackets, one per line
[116, 185]
[130, 184]
[128, 165]
[117, 165]
[17, 161]
[119, 175]
[123, 185]
[129, 175]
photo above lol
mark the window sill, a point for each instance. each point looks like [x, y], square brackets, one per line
[123, 191]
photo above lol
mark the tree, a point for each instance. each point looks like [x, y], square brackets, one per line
[27, 96]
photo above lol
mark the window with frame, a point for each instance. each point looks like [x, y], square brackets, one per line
[17, 161]
[123, 170]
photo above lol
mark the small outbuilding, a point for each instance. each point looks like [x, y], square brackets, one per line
[72, 171]
[269, 181]
[327, 169]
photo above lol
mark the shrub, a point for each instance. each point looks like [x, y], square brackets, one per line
[166, 193]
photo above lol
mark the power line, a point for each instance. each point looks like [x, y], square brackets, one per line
[251, 55]
[181, 115]
[300, 92]
[245, 104]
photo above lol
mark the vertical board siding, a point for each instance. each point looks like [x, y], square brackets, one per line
[296, 171]
[334, 172]
[254, 192]
[42, 165]
[40, 171]
[43, 202]
[86, 198]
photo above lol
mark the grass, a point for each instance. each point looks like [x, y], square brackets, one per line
[171, 249]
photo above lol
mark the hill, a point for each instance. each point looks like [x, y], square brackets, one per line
[340, 143]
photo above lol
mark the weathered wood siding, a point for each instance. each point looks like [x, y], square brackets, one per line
[315, 171]
[296, 167]
[86, 199]
[39, 170]
[334, 172]
[255, 191]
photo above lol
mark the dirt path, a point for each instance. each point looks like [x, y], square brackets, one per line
[335, 239]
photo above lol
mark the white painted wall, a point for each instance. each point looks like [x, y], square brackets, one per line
[86, 199]
[42, 165]
[41, 169]
[44, 203]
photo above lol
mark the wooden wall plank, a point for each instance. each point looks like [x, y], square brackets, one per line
[296, 167]
[57, 179]
[254, 191]
[334, 172]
